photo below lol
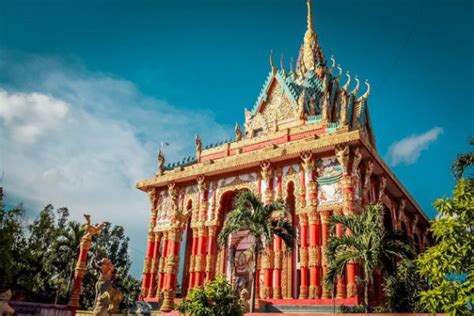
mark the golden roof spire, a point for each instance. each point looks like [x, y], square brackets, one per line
[311, 54]
[310, 16]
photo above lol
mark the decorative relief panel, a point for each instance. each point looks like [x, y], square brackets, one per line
[276, 108]
[329, 184]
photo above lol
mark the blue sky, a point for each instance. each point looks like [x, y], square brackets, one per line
[89, 89]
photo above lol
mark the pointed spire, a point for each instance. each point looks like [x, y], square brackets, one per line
[271, 63]
[292, 70]
[282, 64]
[310, 52]
[310, 16]
[348, 82]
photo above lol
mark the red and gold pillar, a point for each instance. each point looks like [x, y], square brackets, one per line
[81, 267]
[325, 215]
[192, 260]
[161, 264]
[211, 253]
[349, 209]
[147, 265]
[152, 286]
[171, 269]
[200, 261]
[314, 256]
[303, 256]
[340, 287]
[267, 260]
[277, 265]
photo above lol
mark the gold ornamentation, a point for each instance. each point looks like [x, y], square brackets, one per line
[342, 155]
[304, 257]
[351, 289]
[266, 171]
[357, 160]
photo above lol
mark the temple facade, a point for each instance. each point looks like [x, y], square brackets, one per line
[307, 141]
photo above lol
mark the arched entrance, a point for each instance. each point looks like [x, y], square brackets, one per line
[237, 256]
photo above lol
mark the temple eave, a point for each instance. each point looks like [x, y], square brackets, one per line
[280, 152]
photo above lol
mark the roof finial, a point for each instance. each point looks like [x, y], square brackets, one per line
[282, 64]
[356, 88]
[367, 93]
[340, 71]
[292, 70]
[310, 16]
[271, 62]
[346, 86]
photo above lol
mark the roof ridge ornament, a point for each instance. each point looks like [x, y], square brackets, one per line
[356, 88]
[271, 63]
[346, 85]
[367, 93]
[282, 64]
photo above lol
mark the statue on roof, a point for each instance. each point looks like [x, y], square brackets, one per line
[161, 163]
[198, 143]
[238, 132]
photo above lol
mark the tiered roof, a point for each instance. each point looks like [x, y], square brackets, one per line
[310, 93]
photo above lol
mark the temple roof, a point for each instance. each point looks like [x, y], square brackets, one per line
[308, 93]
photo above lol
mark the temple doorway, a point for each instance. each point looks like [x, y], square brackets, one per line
[237, 264]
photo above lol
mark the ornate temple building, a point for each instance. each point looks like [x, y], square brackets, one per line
[308, 141]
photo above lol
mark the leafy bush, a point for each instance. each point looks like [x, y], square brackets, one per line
[215, 298]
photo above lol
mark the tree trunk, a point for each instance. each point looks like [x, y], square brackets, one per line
[366, 296]
[254, 281]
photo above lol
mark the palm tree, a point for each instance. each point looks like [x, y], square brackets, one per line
[462, 162]
[369, 245]
[261, 221]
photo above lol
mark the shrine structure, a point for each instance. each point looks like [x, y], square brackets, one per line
[308, 141]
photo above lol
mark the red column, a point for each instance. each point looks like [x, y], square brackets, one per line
[303, 257]
[348, 189]
[161, 264]
[154, 266]
[171, 270]
[79, 271]
[340, 288]
[277, 242]
[267, 258]
[192, 261]
[324, 241]
[201, 256]
[314, 279]
[147, 265]
[211, 252]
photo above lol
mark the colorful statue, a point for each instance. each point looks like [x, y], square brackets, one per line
[107, 297]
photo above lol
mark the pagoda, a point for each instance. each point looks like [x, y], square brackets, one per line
[307, 141]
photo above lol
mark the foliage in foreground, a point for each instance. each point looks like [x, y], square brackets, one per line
[369, 245]
[38, 259]
[448, 266]
[403, 288]
[261, 221]
[215, 298]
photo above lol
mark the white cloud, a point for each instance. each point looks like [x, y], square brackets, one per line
[28, 115]
[408, 150]
[82, 140]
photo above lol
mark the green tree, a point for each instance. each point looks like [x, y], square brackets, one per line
[403, 288]
[369, 245]
[448, 266]
[463, 162]
[262, 222]
[12, 246]
[215, 298]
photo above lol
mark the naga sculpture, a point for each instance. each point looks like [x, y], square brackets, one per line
[107, 297]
